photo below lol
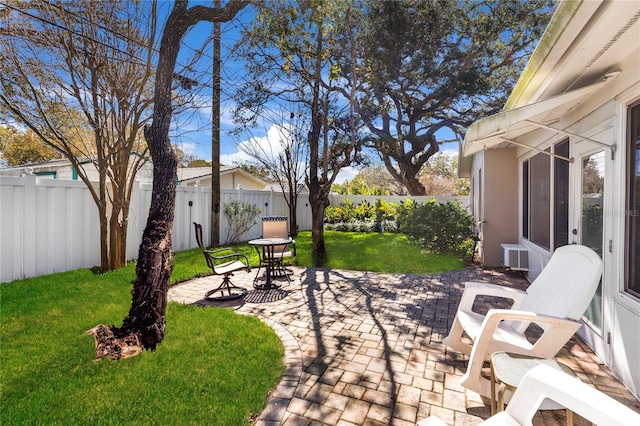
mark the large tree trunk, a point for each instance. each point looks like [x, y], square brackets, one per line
[148, 307]
[319, 200]
[144, 326]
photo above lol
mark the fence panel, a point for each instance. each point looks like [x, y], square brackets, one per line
[51, 226]
[46, 226]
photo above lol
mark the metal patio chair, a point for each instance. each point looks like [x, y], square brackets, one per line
[223, 261]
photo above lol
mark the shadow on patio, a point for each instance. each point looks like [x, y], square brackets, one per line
[366, 348]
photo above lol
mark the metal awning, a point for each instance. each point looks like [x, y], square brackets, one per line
[506, 126]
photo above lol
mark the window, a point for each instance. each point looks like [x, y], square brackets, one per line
[525, 199]
[632, 281]
[561, 196]
[544, 194]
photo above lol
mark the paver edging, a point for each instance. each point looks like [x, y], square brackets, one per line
[281, 395]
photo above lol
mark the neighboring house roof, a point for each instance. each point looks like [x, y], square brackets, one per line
[584, 48]
[48, 166]
[189, 175]
[33, 167]
[302, 188]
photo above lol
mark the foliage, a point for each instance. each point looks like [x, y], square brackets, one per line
[241, 216]
[364, 217]
[440, 227]
[348, 211]
[592, 177]
[255, 170]
[72, 82]
[357, 187]
[424, 66]
[290, 51]
[378, 176]
[186, 159]
[19, 148]
[439, 176]
[215, 367]
[592, 218]
[199, 162]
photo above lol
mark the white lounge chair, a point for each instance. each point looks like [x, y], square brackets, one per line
[556, 301]
[542, 383]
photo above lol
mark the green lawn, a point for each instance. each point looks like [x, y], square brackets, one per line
[214, 367]
[377, 252]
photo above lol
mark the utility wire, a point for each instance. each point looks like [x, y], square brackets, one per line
[136, 60]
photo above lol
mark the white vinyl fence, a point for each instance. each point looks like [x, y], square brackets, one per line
[51, 226]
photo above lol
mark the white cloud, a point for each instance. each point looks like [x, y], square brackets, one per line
[268, 146]
[188, 147]
[347, 173]
[236, 157]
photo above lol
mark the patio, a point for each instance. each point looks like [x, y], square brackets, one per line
[365, 348]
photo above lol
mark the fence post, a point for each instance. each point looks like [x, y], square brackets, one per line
[29, 221]
[270, 212]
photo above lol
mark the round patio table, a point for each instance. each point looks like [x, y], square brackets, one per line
[508, 370]
[267, 249]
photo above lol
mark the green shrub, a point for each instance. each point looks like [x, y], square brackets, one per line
[365, 217]
[438, 227]
[241, 217]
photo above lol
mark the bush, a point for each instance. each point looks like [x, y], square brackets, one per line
[437, 227]
[365, 217]
[241, 217]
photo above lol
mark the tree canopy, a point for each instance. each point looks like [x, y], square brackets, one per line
[78, 76]
[398, 77]
[17, 147]
[423, 67]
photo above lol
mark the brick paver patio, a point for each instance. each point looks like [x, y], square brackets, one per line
[365, 349]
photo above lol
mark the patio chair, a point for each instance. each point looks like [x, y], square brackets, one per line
[555, 301]
[276, 227]
[223, 261]
[545, 383]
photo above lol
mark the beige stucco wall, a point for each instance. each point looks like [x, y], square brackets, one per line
[500, 204]
[230, 181]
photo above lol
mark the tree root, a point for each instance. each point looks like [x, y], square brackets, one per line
[109, 345]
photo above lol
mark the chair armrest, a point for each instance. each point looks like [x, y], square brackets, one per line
[498, 315]
[557, 331]
[474, 289]
[236, 255]
[293, 244]
[543, 382]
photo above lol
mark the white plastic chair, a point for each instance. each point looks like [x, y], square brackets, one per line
[542, 383]
[556, 301]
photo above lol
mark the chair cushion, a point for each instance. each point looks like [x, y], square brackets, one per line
[234, 265]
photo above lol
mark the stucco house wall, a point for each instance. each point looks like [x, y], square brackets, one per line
[500, 204]
[579, 86]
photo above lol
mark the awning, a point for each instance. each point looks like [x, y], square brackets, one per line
[506, 126]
